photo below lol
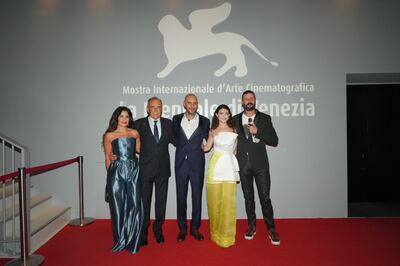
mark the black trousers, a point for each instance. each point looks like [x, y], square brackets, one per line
[161, 191]
[263, 182]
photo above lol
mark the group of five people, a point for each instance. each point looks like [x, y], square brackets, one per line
[239, 155]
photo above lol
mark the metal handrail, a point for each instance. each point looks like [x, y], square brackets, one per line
[15, 143]
[27, 259]
[13, 147]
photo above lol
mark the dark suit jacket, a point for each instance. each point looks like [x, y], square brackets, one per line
[190, 148]
[256, 151]
[154, 157]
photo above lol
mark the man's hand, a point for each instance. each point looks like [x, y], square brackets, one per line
[252, 128]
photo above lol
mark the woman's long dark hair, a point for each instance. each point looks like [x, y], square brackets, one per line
[112, 125]
[215, 121]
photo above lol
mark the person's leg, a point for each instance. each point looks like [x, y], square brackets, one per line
[118, 212]
[134, 217]
[161, 192]
[213, 206]
[147, 191]
[227, 212]
[246, 180]
[196, 184]
[181, 182]
[263, 183]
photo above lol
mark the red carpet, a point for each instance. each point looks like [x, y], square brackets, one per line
[348, 241]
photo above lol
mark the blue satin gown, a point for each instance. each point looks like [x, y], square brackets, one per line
[126, 207]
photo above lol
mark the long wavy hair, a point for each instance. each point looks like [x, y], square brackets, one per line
[215, 121]
[113, 123]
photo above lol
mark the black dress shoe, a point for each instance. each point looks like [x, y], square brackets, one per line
[159, 238]
[182, 235]
[196, 234]
[144, 242]
[143, 238]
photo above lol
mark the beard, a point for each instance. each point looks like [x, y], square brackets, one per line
[249, 106]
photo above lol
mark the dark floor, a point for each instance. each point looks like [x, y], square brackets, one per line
[374, 209]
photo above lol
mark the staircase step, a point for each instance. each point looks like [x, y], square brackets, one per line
[47, 225]
[38, 222]
[44, 217]
[8, 188]
[47, 217]
[44, 225]
[35, 201]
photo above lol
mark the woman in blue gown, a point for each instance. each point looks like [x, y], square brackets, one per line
[121, 142]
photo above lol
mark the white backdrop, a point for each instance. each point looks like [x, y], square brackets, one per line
[66, 65]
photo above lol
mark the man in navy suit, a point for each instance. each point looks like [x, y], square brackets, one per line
[155, 135]
[190, 130]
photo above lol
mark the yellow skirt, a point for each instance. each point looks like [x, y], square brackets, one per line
[221, 203]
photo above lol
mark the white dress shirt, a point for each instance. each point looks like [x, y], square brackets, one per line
[189, 126]
[245, 122]
[151, 123]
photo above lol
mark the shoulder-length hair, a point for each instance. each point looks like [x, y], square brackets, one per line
[113, 123]
[215, 121]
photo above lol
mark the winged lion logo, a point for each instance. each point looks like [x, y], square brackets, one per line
[183, 45]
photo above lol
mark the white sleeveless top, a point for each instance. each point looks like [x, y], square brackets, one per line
[227, 166]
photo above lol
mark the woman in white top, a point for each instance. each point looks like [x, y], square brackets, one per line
[222, 176]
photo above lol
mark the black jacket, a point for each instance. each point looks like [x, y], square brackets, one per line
[154, 157]
[256, 152]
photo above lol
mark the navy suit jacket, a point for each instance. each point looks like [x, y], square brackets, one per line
[190, 149]
[154, 157]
